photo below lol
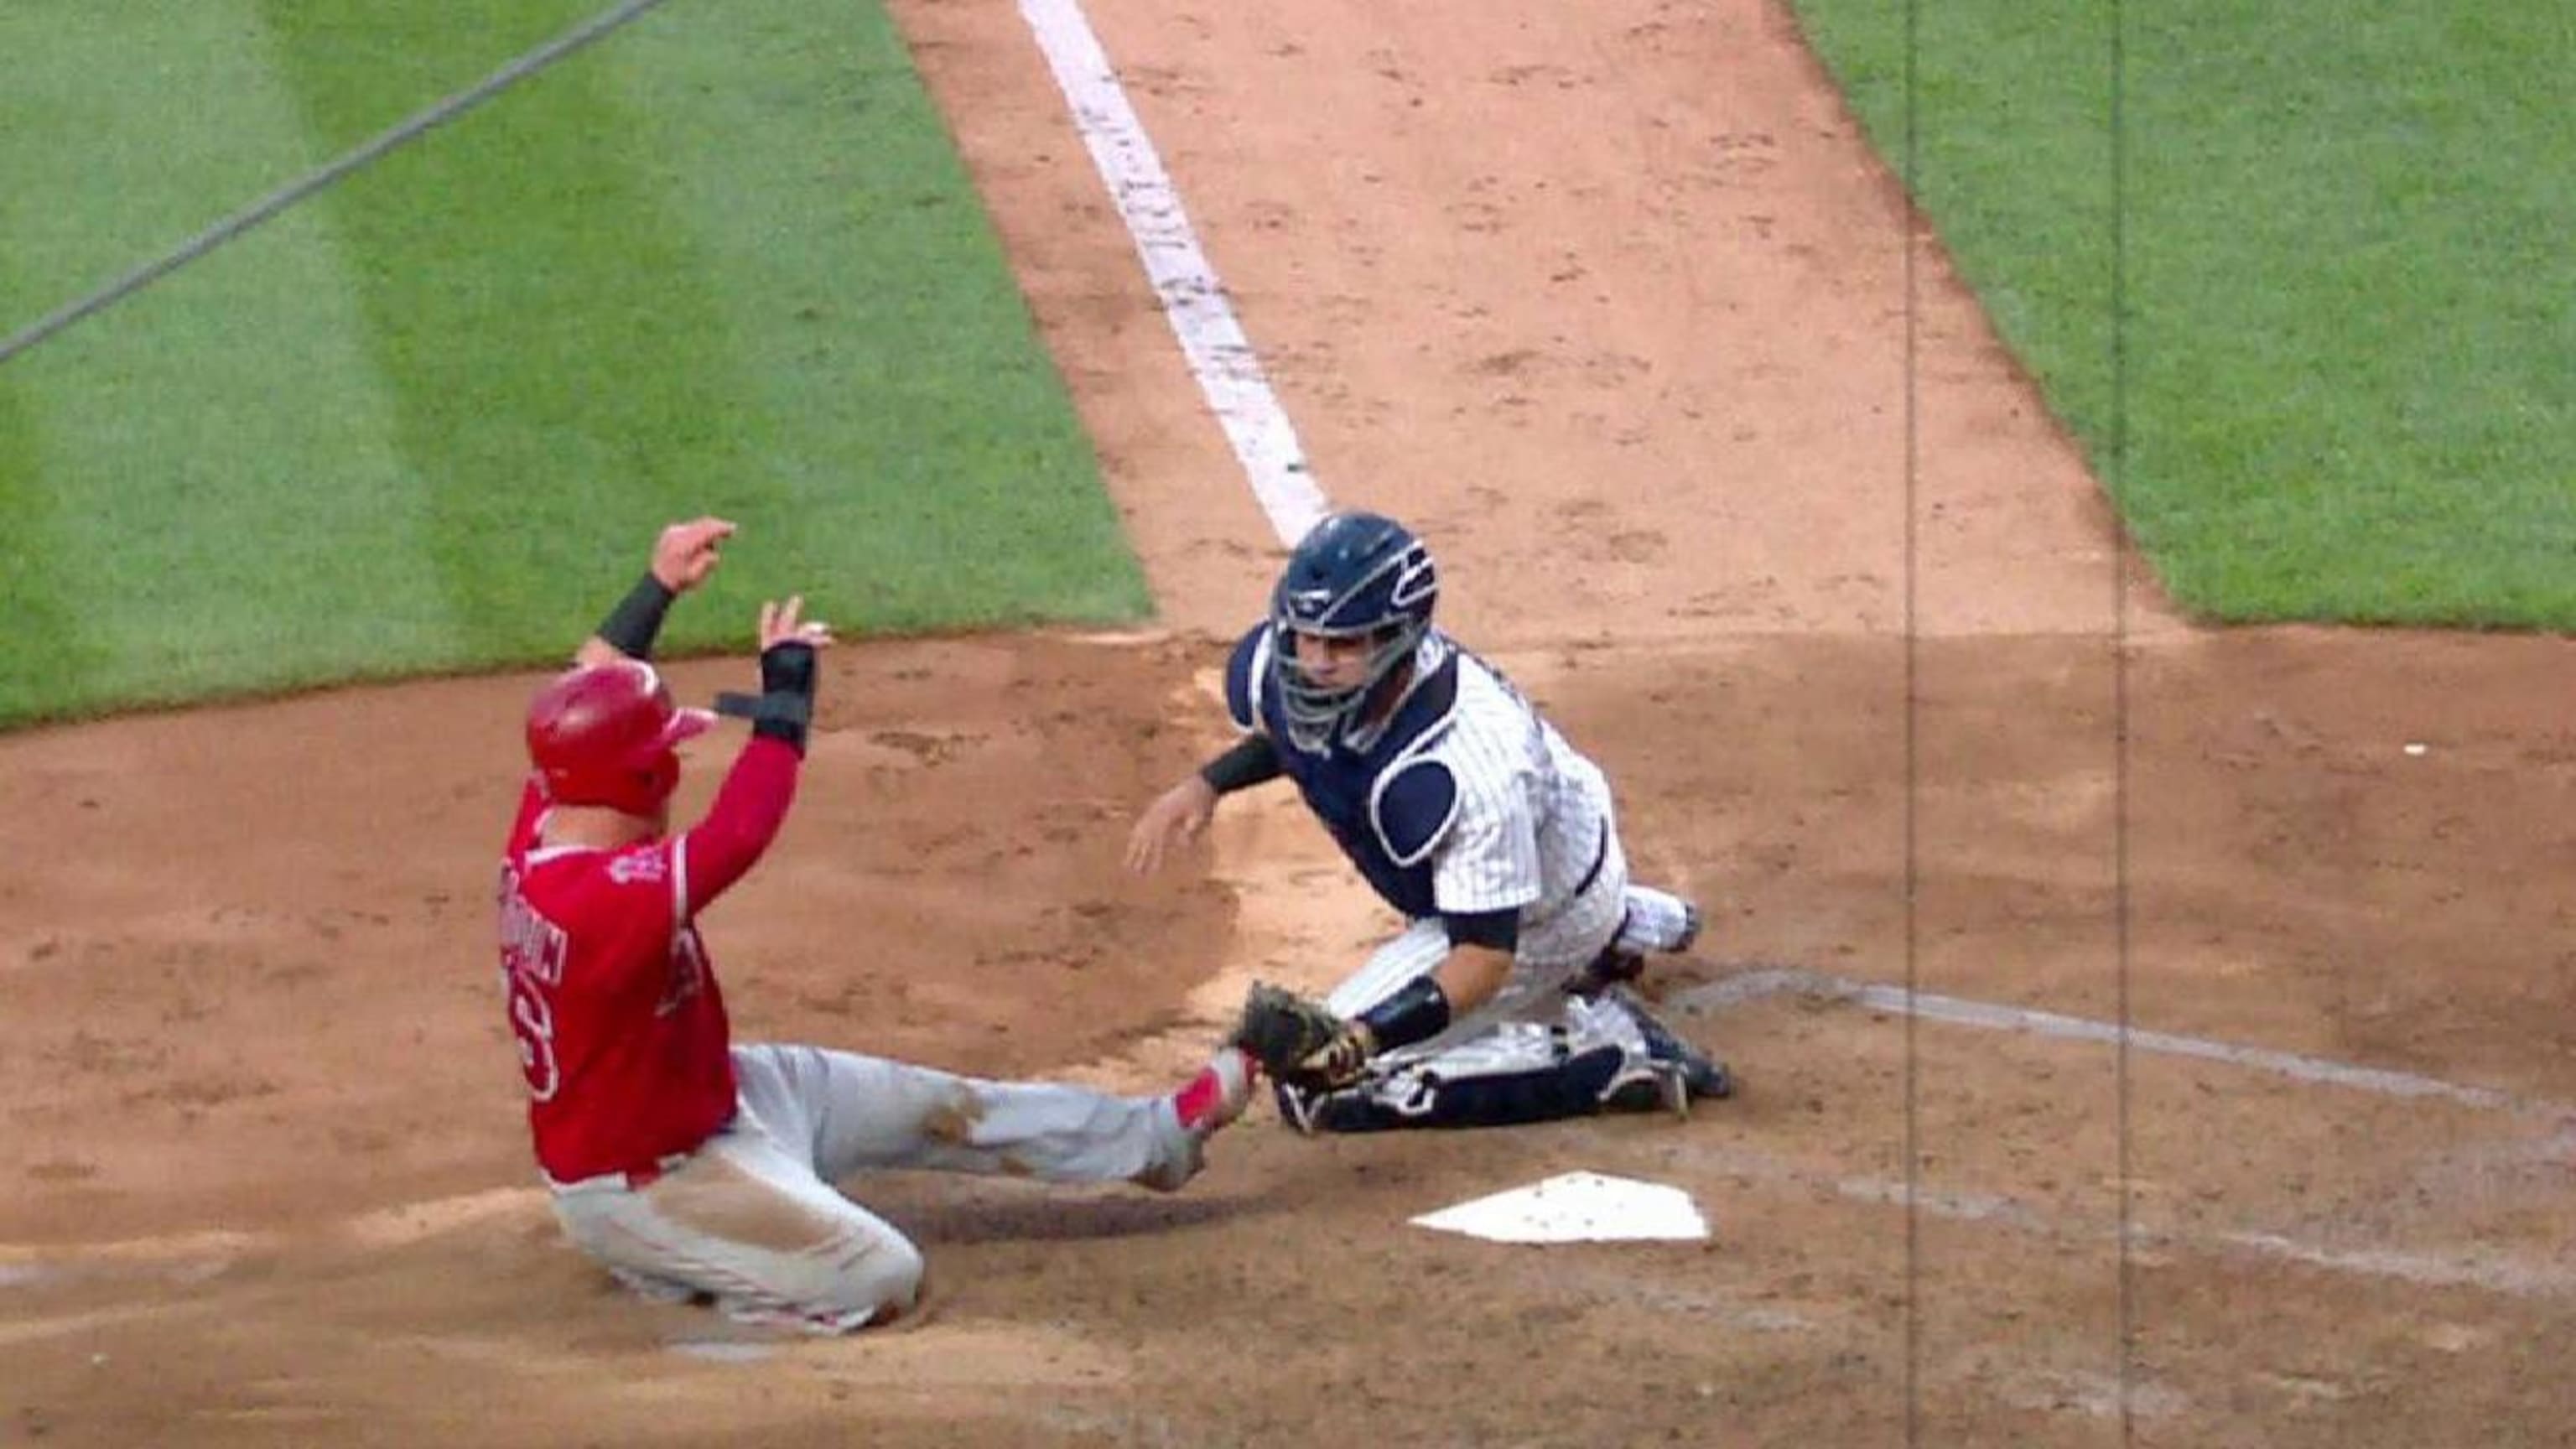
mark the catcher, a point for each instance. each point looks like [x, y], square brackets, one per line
[1505, 998]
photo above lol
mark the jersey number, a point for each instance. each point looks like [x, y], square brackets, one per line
[532, 958]
[532, 1020]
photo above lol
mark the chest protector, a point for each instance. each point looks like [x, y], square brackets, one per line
[1387, 802]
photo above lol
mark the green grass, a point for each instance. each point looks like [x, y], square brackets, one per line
[2351, 300]
[725, 261]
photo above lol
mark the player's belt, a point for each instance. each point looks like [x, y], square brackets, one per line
[1600, 858]
[636, 1179]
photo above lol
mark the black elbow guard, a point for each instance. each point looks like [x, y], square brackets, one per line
[636, 622]
[1252, 761]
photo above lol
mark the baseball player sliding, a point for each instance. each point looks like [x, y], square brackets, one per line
[689, 1166]
[1504, 999]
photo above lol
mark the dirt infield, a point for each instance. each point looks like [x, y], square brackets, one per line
[1608, 300]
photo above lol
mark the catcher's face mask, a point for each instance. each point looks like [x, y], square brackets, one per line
[1354, 601]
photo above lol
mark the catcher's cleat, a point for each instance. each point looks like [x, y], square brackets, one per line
[1690, 929]
[1348, 1110]
[1657, 1087]
[1680, 1072]
[1613, 967]
[1298, 1108]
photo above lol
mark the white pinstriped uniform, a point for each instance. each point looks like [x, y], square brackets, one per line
[1533, 828]
[1531, 820]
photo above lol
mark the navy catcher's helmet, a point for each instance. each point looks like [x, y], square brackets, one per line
[1353, 575]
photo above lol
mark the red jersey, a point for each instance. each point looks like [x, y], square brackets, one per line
[621, 1027]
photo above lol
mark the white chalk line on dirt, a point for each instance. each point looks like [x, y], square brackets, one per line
[2492, 1272]
[197, 1256]
[1194, 300]
[91, 1320]
[29, 1260]
[385, 1227]
[1957, 1011]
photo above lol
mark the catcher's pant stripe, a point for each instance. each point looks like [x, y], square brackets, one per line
[1600, 858]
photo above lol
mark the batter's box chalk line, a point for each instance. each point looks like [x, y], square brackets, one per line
[1576, 1207]
[1754, 985]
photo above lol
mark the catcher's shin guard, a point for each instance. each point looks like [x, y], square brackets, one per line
[1575, 1085]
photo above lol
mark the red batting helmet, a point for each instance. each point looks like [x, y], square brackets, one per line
[602, 735]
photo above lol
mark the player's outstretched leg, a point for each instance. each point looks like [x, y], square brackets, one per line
[753, 1220]
[1210, 1100]
[865, 1112]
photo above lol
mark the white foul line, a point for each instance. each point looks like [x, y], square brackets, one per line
[2479, 1268]
[1194, 301]
[1265, 443]
[1753, 985]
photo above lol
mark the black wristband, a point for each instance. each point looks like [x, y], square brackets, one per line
[778, 724]
[788, 668]
[785, 709]
[779, 716]
[1418, 1011]
[1253, 760]
[631, 627]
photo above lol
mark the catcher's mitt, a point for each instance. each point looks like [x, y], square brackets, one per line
[1298, 1041]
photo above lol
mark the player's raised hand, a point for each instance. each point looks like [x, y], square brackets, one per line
[686, 552]
[784, 623]
[1177, 816]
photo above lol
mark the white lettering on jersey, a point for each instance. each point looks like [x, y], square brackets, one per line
[531, 945]
[636, 865]
[533, 950]
[532, 1021]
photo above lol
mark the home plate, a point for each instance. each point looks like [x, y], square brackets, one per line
[1578, 1207]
